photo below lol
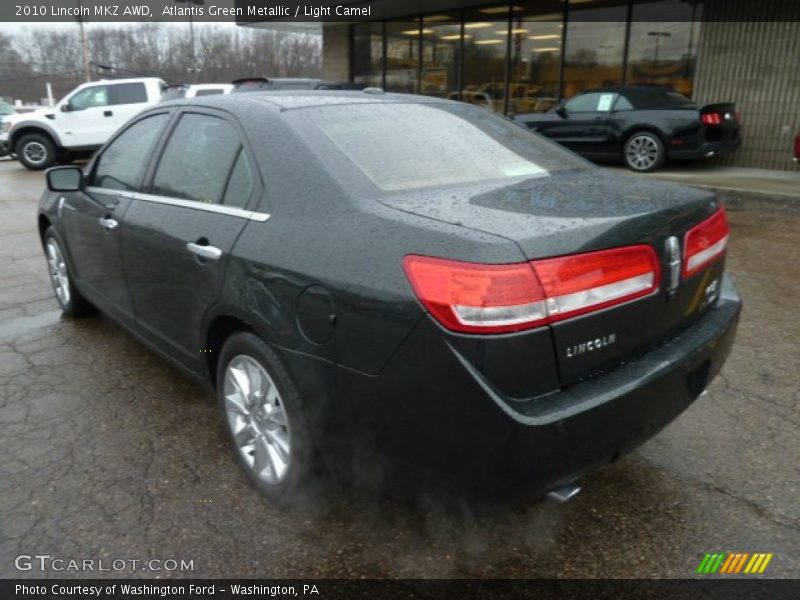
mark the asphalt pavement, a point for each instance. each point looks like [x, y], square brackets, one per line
[108, 453]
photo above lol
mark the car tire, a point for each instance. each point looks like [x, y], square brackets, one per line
[266, 424]
[36, 152]
[644, 152]
[72, 303]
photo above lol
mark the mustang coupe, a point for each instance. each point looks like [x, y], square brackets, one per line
[642, 125]
[407, 283]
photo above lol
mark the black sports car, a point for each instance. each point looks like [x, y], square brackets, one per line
[642, 125]
[397, 281]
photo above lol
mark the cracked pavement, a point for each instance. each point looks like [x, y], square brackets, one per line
[108, 453]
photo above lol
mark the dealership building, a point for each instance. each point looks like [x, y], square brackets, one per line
[528, 56]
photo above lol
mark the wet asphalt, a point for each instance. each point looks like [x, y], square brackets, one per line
[106, 452]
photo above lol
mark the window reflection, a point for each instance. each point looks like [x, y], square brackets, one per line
[661, 50]
[510, 58]
[485, 57]
[441, 56]
[402, 56]
[595, 45]
[368, 54]
[536, 35]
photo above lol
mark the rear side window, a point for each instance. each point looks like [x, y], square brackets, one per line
[198, 159]
[121, 164]
[240, 184]
[128, 93]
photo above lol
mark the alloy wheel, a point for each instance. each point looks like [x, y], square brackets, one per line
[257, 419]
[35, 153]
[641, 152]
[58, 271]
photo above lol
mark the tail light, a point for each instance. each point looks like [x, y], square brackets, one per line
[479, 298]
[705, 242]
[711, 119]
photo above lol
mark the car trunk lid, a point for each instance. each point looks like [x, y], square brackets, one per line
[574, 212]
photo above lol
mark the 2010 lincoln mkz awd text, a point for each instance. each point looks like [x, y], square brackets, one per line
[416, 282]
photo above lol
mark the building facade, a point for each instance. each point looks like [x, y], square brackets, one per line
[529, 56]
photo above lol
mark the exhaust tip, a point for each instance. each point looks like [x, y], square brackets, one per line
[564, 493]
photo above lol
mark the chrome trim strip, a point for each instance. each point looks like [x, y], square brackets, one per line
[215, 208]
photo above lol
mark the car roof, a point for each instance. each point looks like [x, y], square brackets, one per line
[295, 99]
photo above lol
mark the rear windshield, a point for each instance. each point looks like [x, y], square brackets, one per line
[411, 146]
[174, 93]
[209, 92]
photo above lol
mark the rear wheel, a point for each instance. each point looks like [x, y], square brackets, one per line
[69, 298]
[261, 410]
[36, 152]
[644, 152]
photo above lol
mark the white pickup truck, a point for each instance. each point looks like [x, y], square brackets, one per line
[79, 124]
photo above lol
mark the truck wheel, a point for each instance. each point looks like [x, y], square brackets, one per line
[644, 152]
[36, 152]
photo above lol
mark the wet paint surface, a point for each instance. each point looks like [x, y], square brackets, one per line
[107, 452]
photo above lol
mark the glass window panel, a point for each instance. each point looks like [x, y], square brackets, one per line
[368, 54]
[128, 93]
[240, 184]
[441, 56]
[402, 56]
[663, 44]
[121, 164]
[409, 146]
[595, 45]
[536, 37]
[198, 159]
[485, 57]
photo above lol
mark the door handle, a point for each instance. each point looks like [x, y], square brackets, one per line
[108, 223]
[204, 251]
[108, 113]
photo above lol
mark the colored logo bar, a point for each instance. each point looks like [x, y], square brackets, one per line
[734, 562]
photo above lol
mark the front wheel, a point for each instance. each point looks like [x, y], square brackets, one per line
[36, 152]
[69, 298]
[262, 413]
[644, 152]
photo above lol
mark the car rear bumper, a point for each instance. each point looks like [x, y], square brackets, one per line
[430, 413]
[706, 150]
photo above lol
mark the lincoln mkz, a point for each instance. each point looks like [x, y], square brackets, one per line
[389, 280]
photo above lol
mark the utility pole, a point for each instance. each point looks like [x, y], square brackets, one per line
[194, 69]
[87, 74]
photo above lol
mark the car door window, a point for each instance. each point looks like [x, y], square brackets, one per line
[120, 165]
[90, 97]
[592, 102]
[128, 93]
[198, 159]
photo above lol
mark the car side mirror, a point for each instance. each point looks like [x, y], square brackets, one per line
[561, 111]
[66, 107]
[65, 179]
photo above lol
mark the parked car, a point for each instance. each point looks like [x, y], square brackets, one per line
[6, 110]
[404, 282]
[260, 84]
[797, 147]
[642, 125]
[78, 124]
[177, 91]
